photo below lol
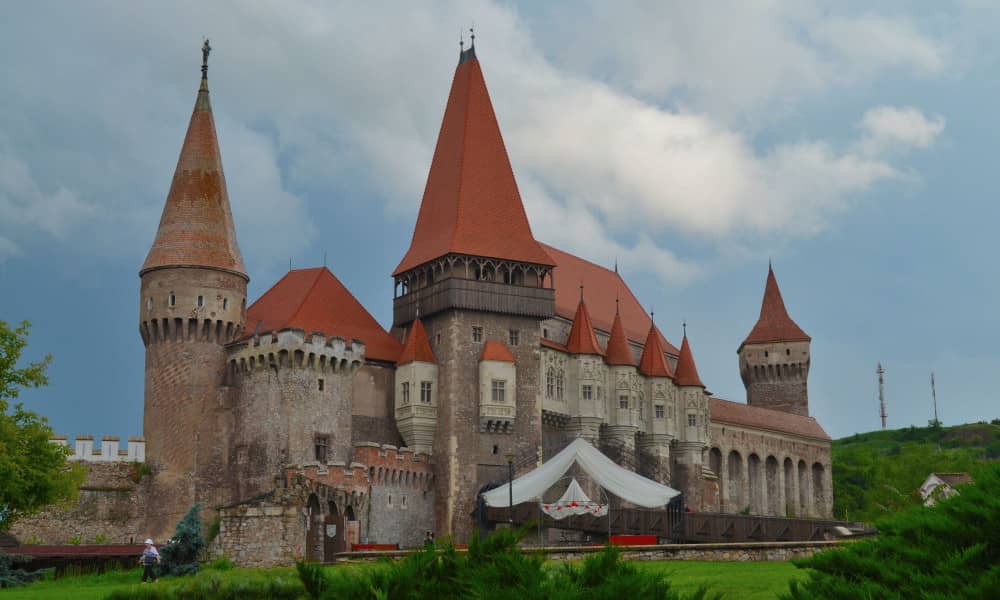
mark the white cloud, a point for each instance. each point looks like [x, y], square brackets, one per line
[872, 43]
[887, 127]
[8, 249]
[24, 205]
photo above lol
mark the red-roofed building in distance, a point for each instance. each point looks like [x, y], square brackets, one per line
[304, 425]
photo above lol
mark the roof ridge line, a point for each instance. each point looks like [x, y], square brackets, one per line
[302, 302]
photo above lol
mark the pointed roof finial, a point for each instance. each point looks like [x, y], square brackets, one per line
[684, 325]
[769, 268]
[206, 49]
[616, 265]
[581, 291]
[472, 35]
[617, 304]
[461, 41]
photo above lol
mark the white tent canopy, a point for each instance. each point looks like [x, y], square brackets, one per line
[621, 482]
[574, 502]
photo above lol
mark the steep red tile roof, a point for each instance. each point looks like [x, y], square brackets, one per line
[653, 363]
[735, 413]
[471, 203]
[315, 300]
[417, 347]
[196, 228]
[774, 324]
[687, 372]
[582, 339]
[603, 287]
[553, 344]
[494, 350]
[618, 351]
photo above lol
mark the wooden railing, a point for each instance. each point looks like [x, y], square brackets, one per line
[489, 296]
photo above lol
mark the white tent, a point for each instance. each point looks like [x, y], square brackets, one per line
[617, 480]
[574, 502]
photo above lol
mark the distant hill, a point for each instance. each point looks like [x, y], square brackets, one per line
[877, 473]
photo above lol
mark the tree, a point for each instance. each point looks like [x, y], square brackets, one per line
[33, 472]
[180, 557]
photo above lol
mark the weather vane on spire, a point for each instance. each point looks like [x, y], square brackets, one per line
[684, 325]
[205, 50]
[472, 35]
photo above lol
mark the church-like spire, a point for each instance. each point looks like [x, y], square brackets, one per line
[654, 362]
[196, 228]
[774, 324]
[471, 203]
[417, 347]
[686, 373]
[582, 339]
[618, 352]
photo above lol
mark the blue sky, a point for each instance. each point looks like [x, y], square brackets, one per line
[853, 146]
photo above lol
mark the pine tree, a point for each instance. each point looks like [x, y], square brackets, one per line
[180, 557]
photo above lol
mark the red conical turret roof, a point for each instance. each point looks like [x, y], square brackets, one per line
[618, 352]
[417, 347]
[687, 372]
[582, 339]
[774, 324]
[196, 228]
[653, 362]
[471, 203]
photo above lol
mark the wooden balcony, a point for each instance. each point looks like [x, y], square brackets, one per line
[469, 294]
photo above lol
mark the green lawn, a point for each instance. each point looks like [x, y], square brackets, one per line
[737, 580]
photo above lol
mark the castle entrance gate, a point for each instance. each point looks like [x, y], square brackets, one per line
[335, 535]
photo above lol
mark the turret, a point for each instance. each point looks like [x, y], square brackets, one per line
[693, 427]
[657, 409]
[625, 395]
[774, 358]
[587, 377]
[192, 301]
[416, 390]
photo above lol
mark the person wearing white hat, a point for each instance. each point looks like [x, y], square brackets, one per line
[148, 560]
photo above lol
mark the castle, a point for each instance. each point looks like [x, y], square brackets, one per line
[300, 410]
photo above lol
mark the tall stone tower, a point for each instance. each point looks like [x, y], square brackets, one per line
[192, 301]
[774, 358]
[481, 285]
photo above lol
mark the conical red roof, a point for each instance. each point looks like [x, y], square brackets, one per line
[687, 372]
[618, 352]
[196, 228]
[417, 347]
[653, 362]
[471, 203]
[582, 339]
[315, 300]
[774, 324]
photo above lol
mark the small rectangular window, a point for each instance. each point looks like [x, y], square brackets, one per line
[321, 385]
[405, 392]
[545, 333]
[692, 421]
[172, 299]
[477, 333]
[499, 390]
[225, 303]
[588, 392]
[622, 401]
[659, 411]
[514, 335]
[425, 392]
[321, 444]
[390, 501]
[201, 301]
[402, 502]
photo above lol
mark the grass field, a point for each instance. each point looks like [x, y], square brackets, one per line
[737, 580]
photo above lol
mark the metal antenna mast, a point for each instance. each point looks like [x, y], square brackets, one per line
[934, 398]
[881, 394]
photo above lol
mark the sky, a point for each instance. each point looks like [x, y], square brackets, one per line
[851, 145]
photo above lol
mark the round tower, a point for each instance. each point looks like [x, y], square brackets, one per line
[774, 358]
[192, 301]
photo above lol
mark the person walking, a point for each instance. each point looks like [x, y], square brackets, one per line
[150, 556]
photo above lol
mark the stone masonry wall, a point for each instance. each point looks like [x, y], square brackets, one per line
[372, 410]
[776, 375]
[402, 495]
[262, 535]
[111, 508]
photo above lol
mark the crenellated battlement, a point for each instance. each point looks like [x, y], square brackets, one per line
[189, 329]
[108, 451]
[294, 348]
[392, 466]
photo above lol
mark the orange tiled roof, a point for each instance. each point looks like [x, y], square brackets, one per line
[603, 287]
[471, 203]
[618, 352]
[496, 350]
[417, 347]
[582, 339]
[735, 413]
[553, 344]
[774, 324]
[687, 372]
[196, 227]
[653, 363]
[315, 300]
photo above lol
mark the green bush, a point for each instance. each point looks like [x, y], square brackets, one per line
[10, 576]
[217, 585]
[181, 556]
[950, 550]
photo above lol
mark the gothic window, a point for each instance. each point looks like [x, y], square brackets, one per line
[560, 385]
[406, 392]
[499, 386]
[588, 392]
[477, 333]
[659, 411]
[550, 383]
[623, 401]
[321, 444]
[425, 392]
[692, 421]
[514, 335]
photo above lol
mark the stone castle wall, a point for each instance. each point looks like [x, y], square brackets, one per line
[402, 495]
[372, 406]
[776, 374]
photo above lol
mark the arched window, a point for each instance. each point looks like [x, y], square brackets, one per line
[560, 385]
[550, 383]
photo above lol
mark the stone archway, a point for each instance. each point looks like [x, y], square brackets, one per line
[803, 489]
[773, 487]
[819, 490]
[735, 502]
[789, 475]
[755, 479]
[715, 464]
[314, 533]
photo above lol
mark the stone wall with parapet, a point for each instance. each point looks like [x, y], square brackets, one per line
[401, 508]
[112, 507]
[107, 450]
